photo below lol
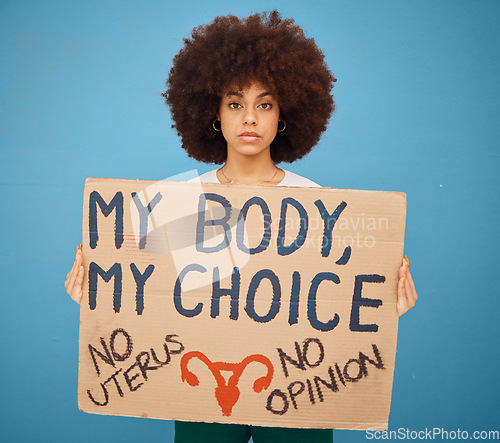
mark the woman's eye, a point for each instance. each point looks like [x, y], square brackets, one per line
[234, 106]
[265, 106]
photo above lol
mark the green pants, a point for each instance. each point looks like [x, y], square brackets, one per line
[194, 432]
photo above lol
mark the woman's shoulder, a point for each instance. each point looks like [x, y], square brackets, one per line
[292, 179]
[209, 177]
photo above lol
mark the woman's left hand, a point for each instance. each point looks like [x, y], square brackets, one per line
[407, 295]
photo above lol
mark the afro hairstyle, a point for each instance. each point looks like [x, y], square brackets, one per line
[261, 48]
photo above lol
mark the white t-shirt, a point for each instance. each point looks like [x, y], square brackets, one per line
[290, 179]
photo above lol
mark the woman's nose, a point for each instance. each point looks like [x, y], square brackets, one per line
[250, 118]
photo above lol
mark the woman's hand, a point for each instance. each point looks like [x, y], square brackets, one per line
[407, 295]
[74, 279]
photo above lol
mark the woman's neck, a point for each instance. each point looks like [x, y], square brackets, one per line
[250, 170]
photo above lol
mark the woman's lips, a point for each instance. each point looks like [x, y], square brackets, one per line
[249, 136]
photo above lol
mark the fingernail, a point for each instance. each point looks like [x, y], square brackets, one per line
[404, 279]
[81, 247]
[407, 261]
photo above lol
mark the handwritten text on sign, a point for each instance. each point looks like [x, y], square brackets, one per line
[276, 303]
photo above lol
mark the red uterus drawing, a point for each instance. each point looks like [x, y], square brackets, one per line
[227, 394]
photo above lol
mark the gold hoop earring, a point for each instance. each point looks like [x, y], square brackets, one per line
[215, 128]
[284, 126]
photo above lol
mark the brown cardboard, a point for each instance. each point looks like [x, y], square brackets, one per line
[147, 352]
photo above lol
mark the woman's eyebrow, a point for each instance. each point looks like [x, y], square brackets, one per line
[239, 95]
[264, 94]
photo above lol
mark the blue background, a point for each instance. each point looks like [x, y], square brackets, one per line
[418, 97]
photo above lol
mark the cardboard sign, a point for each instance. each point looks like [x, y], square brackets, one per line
[271, 306]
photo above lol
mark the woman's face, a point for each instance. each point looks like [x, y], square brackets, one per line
[249, 119]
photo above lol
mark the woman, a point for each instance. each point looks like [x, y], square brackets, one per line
[249, 94]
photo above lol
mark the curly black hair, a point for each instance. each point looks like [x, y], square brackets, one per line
[261, 48]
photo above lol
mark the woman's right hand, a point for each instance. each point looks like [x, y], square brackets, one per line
[74, 279]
